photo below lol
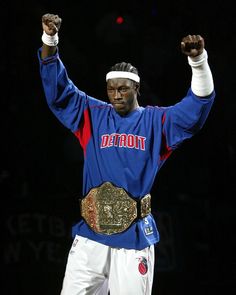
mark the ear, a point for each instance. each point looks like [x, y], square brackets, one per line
[137, 88]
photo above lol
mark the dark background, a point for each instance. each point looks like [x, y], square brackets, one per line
[41, 162]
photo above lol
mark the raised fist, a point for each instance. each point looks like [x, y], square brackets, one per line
[51, 23]
[192, 45]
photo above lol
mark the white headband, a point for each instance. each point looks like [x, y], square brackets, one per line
[122, 74]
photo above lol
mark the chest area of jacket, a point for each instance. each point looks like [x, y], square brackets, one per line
[124, 136]
[137, 132]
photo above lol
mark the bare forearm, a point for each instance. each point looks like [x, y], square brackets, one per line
[48, 51]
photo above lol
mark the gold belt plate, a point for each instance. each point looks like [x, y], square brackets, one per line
[108, 209]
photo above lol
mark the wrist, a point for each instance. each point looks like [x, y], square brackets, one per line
[198, 60]
[50, 40]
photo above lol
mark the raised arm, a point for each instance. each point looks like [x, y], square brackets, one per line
[64, 99]
[184, 119]
[202, 82]
[69, 104]
[51, 24]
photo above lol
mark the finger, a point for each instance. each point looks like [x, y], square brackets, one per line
[182, 44]
[48, 17]
[201, 42]
[52, 26]
[58, 22]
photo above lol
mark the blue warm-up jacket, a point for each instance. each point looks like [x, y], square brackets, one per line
[127, 151]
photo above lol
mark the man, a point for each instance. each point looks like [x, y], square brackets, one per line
[124, 147]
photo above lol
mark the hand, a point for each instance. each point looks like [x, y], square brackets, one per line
[192, 45]
[51, 23]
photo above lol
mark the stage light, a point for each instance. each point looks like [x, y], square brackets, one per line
[119, 20]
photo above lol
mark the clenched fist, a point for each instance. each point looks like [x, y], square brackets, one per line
[51, 23]
[192, 45]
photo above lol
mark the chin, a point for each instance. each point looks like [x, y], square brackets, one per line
[121, 112]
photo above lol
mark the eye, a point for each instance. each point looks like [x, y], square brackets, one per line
[124, 89]
[110, 90]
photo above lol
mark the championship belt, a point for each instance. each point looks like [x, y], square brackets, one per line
[108, 209]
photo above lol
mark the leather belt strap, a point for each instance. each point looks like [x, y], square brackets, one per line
[108, 209]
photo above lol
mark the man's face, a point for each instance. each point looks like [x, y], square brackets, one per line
[122, 94]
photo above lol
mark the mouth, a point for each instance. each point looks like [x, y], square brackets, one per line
[118, 103]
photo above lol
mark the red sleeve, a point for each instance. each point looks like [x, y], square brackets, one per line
[84, 132]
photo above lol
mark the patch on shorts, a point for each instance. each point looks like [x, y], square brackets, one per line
[142, 266]
[75, 242]
[73, 246]
[148, 230]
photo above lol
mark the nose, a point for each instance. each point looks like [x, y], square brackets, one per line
[117, 94]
